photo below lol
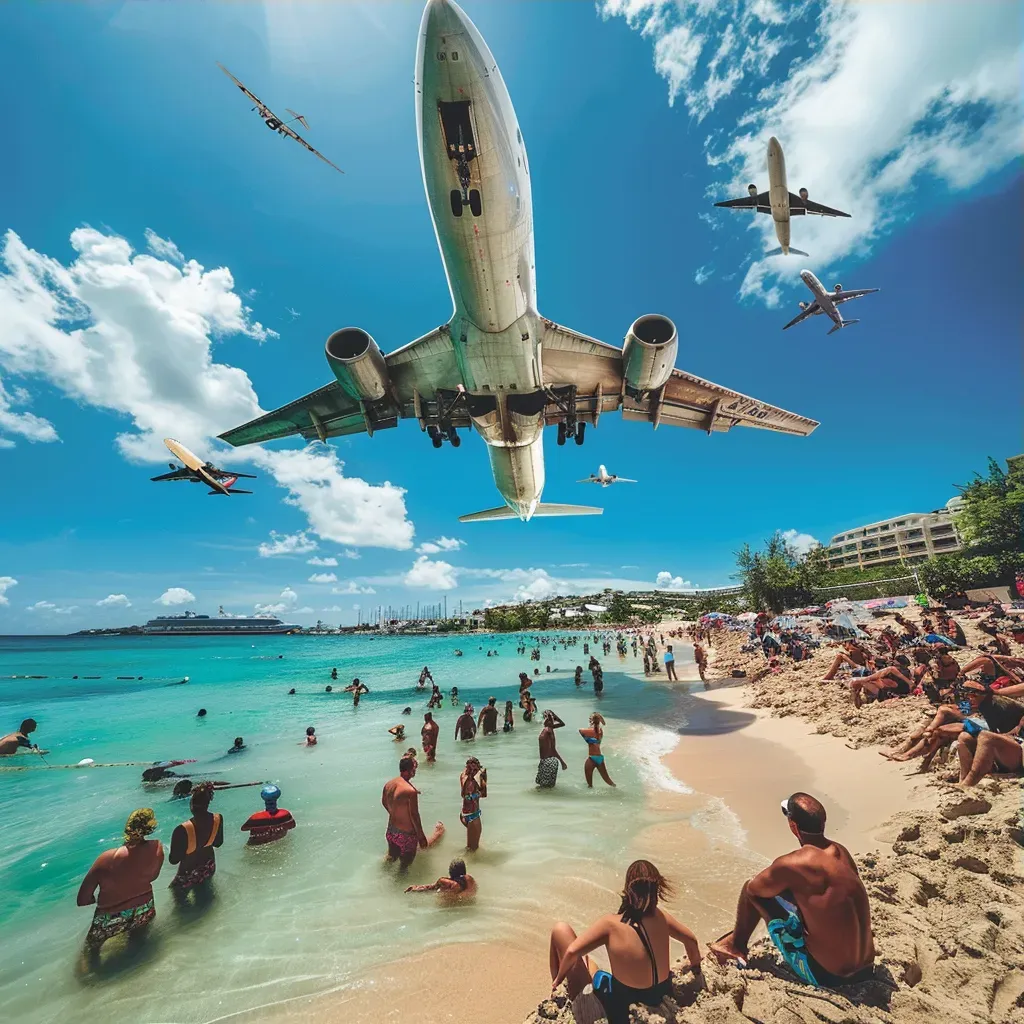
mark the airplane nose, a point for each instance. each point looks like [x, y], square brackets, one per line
[440, 18]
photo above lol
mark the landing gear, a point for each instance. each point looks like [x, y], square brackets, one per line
[453, 437]
[442, 428]
[456, 198]
[580, 429]
[561, 433]
[475, 205]
[568, 426]
[436, 438]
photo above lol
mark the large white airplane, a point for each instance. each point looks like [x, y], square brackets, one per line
[498, 366]
[604, 478]
[826, 302]
[780, 202]
[195, 471]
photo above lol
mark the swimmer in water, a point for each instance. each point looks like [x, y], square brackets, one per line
[291, 692]
[328, 689]
[510, 720]
[398, 731]
[201, 713]
[334, 673]
[457, 882]
[454, 695]
[270, 824]
[406, 711]
[310, 740]
[238, 747]
[15, 741]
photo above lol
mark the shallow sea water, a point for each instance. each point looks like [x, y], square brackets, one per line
[308, 914]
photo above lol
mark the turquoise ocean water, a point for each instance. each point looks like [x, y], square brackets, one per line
[311, 913]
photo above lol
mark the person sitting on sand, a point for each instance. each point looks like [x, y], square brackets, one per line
[465, 725]
[999, 642]
[238, 747]
[637, 938]
[193, 842]
[270, 824]
[404, 833]
[15, 741]
[888, 680]
[310, 740]
[474, 788]
[456, 883]
[428, 737]
[398, 731]
[125, 878]
[510, 718]
[550, 758]
[813, 903]
[488, 718]
[996, 748]
[852, 654]
[595, 759]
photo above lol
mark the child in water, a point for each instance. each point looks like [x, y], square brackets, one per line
[310, 740]
[510, 722]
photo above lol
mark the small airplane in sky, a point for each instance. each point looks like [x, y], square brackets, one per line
[826, 302]
[780, 202]
[604, 478]
[498, 366]
[276, 124]
[196, 471]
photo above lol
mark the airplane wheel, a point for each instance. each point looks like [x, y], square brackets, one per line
[475, 206]
[453, 436]
[437, 440]
[273, 124]
[561, 433]
[580, 429]
[456, 202]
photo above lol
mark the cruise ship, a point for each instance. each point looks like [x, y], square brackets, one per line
[191, 624]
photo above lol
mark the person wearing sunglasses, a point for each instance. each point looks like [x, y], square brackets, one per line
[994, 745]
[813, 903]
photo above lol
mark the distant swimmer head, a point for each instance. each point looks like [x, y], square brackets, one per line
[29, 725]
[239, 743]
[310, 731]
[201, 713]
[201, 796]
[291, 692]
[406, 711]
[182, 789]
[140, 823]
[328, 689]
[270, 794]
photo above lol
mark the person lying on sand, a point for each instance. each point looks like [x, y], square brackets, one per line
[456, 883]
[404, 834]
[637, 939]
[813, 903]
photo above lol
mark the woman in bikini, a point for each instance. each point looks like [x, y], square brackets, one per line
[637, 939]
[474, 789]
[595, 759]
[193, 842]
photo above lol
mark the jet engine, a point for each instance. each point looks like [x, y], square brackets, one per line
[356, 361]
[802, 305]
[804, 193]
[837, 288]
[649, 353]
[752, 189]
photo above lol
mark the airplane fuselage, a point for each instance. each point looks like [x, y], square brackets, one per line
[823, 297]
[778, 193]
[477, 181]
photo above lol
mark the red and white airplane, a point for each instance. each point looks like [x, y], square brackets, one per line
[220, 481]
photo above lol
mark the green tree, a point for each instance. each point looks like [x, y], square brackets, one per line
[990, 520]
[777, 578]
[620, 608]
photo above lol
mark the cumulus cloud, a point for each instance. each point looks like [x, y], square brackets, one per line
[163, 248]
[703, 273]
[433, 547]
[41, 606]
[540, 588]
[353, 588]
[666, 581]
[287, 544]
[288, 597]
[332, 608]
[323, 577]
[175, 595]
[800, 543]
[25, 425]
[885, 96]
[132, 333]
[431, 575]
[316, 560]
[6, 582]
[114, 601]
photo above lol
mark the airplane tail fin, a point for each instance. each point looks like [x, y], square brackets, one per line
[792, 252]
[845, 323]
[543, 509]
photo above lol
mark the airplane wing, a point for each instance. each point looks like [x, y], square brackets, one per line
[854, 293]
[419, 371]
[811, 309]
[760, 203]
[588, 480]
[801, 206]
[623, 480]
[595, 369]
[292, 134]
[223, 474]
[178, 474]
[264, 110]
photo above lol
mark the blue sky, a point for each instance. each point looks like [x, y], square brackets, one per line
[638, 115]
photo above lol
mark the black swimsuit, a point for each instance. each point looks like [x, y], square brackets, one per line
[617, 997]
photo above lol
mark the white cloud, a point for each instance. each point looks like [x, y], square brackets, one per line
[288, 597]
[321, 561]
[540, 588]
[332, 608]
[306, 610]
[23, 424]
[801, 543]
[431, 575]
[353, 588]
[703, 273]
[6, 582]
[175, 595]
[42, 606]
[287, 544]
[133, 334]
[349, 553]
[323, 577]
[163, 248]
[67, 610]
[434, 547]
[879, 98]
[666, 581]
[114, 601]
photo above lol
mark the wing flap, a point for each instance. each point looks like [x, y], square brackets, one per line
[761, 203]
[797, 205]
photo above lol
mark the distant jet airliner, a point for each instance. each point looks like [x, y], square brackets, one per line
[826, 302]
[604, 478]
[196, 471]
[780, 202]
[497, 365]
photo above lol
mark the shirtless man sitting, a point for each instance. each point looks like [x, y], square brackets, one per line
[814, 893]
[405, 834]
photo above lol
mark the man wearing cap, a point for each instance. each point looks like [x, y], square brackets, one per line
[465, 726]
[813, 903]
[488, 720]
[270, 824]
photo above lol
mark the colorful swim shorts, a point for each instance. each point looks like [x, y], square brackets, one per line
[186, 880]
[105, 925]
[547, 773]
[406, 842]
